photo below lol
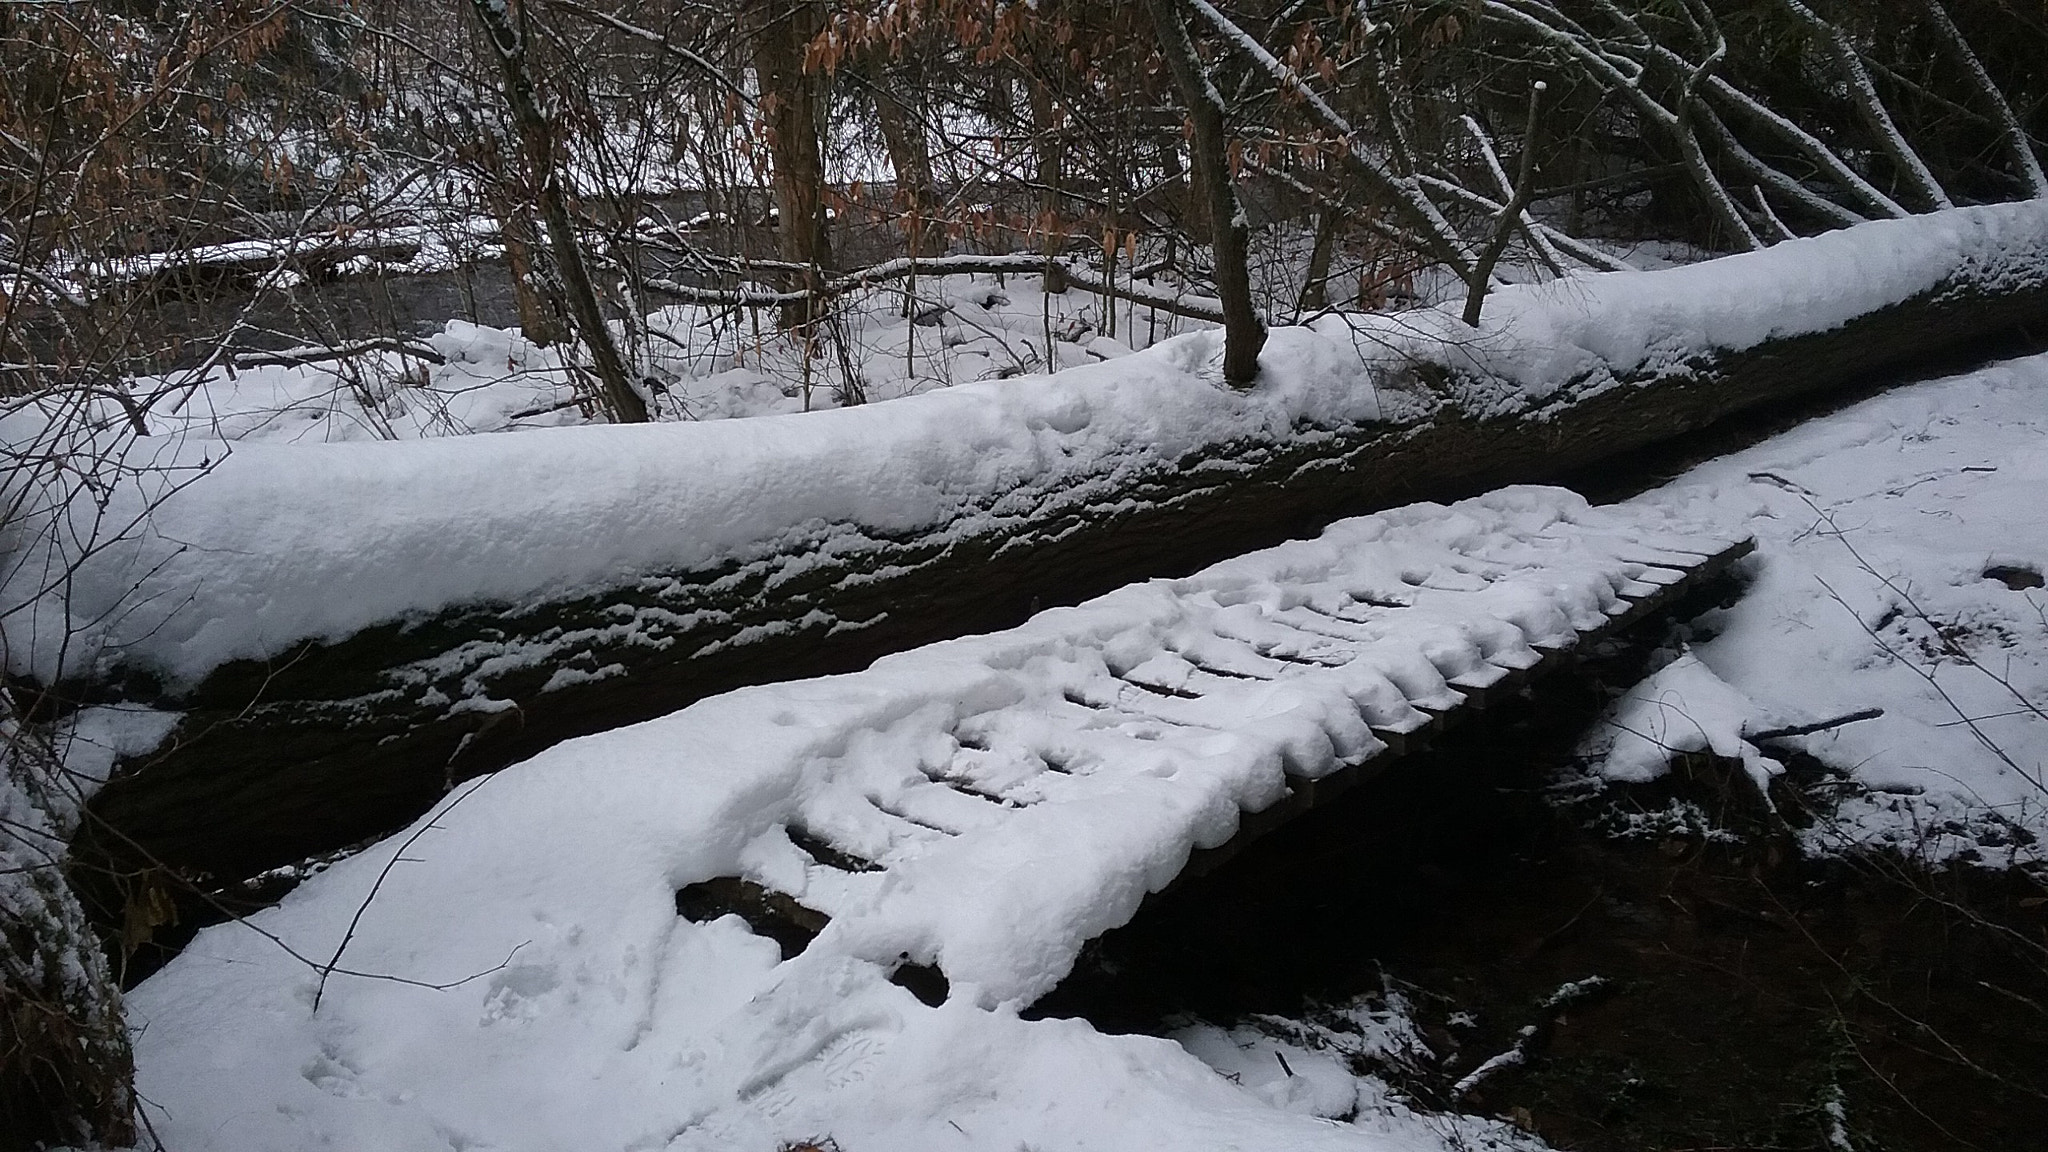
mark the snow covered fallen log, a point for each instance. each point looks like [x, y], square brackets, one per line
[977, 809]
[334, 250]
[349, 626]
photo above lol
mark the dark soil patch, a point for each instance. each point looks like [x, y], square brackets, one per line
[1749, 987]
[2017, 577]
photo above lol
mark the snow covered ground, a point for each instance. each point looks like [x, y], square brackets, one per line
[705, 364]
[1013, 796]
[718, 363]
[580, 1010]
[1901, 547]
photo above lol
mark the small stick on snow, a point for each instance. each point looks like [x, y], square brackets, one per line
[295, 357]
[1816, 726]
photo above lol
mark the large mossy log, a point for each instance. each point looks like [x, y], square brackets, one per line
[335, 742]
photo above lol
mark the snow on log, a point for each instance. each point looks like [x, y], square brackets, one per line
[348, 627]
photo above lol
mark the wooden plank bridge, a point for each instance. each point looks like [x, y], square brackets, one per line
[1282, 680]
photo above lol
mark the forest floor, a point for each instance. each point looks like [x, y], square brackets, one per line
[1827, 941]
[1709, 987]
[1852, 956]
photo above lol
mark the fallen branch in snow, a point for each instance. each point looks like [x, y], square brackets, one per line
[262, 257]
[1816, 726]
[1532, 1036]
[56, 289]
[1079, 273]
[544, 409]
[154, 866]
[333, 964]
[2035, 777]
[322, 353]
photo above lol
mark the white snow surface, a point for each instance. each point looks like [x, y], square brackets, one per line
[1021, 792]
[1876, 528]
[1682, 707]
[284, 542]
[613, 1023]
[710, 363]
[1580, 327]
[1308, 1067]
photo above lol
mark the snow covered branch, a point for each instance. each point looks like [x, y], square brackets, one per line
[2018, 145]
[321, 353]
[1077, 272]
[1244, 332]
[1403, 193]
[1870, 106]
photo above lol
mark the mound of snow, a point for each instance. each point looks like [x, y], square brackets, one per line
[1682, 707]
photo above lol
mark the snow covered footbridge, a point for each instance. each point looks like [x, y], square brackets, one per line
[948, 826]
[1015, 786]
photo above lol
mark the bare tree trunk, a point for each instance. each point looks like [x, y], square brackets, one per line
[1044, 128]
[903, 135]
[538, 321]
[1401, 192]
[1509, 218]
[1315, 288]
[1244, 334]
[791, 97]
[2011, 132]
[1194, 205]
[536, 137]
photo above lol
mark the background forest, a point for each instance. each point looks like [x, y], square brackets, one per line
[395, 219]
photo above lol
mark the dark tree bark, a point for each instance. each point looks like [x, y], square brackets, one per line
[901, 120]
[1244, 333]
[1508, 220]
[1315, 288]
[537, 141]
[511, 204]
[538, 320]
[1045, 140]
[791, 101]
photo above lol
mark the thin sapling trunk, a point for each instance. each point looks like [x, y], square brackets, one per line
[1244, 333]
[537, 140]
